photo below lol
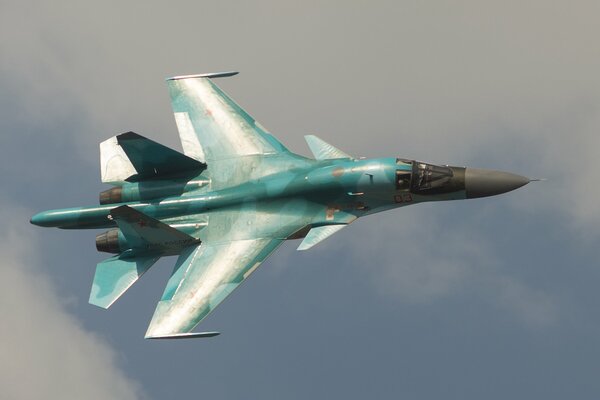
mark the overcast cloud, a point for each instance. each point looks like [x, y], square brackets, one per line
[46, 351]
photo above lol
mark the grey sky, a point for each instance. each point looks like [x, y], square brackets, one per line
[485, 298]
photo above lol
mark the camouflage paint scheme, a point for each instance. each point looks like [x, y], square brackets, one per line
[231, 200]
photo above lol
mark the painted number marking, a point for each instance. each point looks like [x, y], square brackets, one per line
[403, 198]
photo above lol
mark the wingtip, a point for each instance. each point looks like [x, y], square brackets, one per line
[208, 75]
[190, 335]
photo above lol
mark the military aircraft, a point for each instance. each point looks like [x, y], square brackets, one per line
[232, 198]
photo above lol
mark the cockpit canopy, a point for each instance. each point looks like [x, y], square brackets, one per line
[421, 178]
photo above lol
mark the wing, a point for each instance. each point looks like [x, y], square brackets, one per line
[211, 125]
[235, 242]
[204, 275]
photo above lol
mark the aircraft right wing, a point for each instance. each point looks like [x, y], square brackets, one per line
[235, 242]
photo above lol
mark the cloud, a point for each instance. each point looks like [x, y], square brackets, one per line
[471, 83]
[424, 256]
[534, 307]
[45, 351]
[506, 85]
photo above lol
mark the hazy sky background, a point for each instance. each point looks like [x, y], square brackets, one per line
[494, 298]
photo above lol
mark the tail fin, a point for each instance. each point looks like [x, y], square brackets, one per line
[153, 160]
[132, 157]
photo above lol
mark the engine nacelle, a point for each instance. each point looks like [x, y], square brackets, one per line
[149, 190]
[111, 196]
[111, 241]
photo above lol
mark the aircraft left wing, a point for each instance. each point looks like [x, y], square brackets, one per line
[212, 127]
[203, 277]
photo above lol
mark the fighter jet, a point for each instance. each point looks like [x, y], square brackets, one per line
[232, 198]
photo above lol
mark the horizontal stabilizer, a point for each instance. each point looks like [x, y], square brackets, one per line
[318, 234]
[185, 335]
[323, 150]
[153, 160]
[115, 275]
[144, 233]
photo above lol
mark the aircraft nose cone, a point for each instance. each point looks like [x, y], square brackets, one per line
[485, 182]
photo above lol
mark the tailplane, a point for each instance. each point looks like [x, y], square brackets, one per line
[115, 275]
[140, 242]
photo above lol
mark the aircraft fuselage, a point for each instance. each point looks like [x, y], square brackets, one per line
[357, 186]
